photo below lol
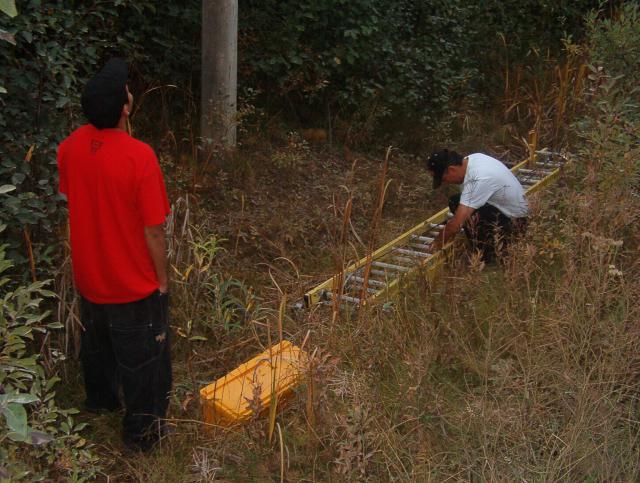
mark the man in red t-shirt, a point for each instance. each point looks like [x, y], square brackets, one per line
[117, 208]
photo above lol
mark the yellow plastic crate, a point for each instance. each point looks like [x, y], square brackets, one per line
[234, 398]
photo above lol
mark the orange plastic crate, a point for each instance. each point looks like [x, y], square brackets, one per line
[231, 398]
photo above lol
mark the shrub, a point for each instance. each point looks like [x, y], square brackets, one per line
[614, 44]
[37, 438]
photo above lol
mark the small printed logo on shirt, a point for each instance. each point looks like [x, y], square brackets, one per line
[95, 145]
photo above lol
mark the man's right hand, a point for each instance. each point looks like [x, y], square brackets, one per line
[154, 236]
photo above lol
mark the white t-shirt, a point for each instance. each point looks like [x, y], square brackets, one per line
[487, 180]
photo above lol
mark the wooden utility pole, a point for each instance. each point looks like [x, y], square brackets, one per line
[219, 71]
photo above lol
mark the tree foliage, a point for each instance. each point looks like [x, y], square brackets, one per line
[415, 58]
[55, 49]
[614, 43]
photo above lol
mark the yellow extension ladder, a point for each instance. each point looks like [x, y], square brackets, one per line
[385, 269]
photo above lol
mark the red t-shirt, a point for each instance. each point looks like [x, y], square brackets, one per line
[114, 189]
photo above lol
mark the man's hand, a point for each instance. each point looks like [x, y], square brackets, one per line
[154, 236]
[452, 228]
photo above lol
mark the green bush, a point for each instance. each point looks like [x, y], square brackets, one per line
[344, 54]
[611, 117]
[615, 44]
[413, 60]
[37, 439]
[55, 49]
[49, 52]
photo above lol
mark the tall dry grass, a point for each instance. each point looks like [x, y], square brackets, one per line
[525, 371]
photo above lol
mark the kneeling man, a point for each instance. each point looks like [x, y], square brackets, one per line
[491, 207]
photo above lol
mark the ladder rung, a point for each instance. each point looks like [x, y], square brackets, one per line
[370, 281]
[533, 174]
[359, 288]
[537, 171]
[435, 225]
[422, 238]
[382, 273]
[412, 253]
[530, 175]
[359, 274]
[397, 268]
[410, 261]
[419, 245]
[346, 298]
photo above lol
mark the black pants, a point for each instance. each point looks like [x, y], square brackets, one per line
[127, 345]
[489, 230]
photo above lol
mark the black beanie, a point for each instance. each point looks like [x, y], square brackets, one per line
[105, 94]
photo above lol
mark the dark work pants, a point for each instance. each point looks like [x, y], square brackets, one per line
[127, 345]
[489, 230]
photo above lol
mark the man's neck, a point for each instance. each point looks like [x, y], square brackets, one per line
[122, 124]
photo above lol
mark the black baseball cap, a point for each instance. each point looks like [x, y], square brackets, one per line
[105, 94]
[439, 161]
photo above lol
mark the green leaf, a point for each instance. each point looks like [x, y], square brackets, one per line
[51, 382]
[9, 7]
[2, 90]
[18, 398]
[22, 331]
[17, 437]
[16, 417]
[61, 102]
[6, 188]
